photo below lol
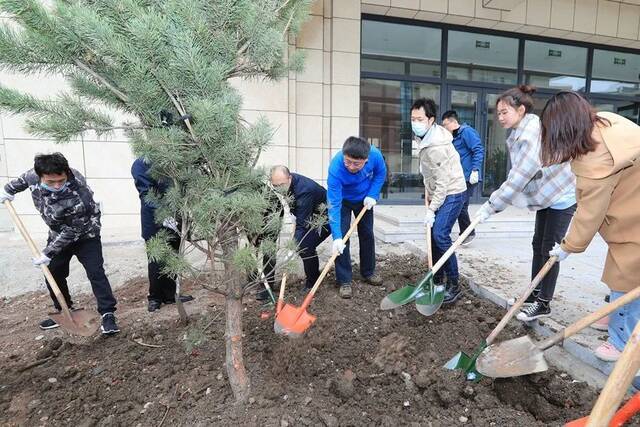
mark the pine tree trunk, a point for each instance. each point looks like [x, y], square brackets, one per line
[236, 371]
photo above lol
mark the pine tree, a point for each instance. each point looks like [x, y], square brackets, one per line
[168, 63]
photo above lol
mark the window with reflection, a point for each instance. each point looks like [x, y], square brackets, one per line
[555, 66]
[615, 73]
[482, 58]
[400, 49]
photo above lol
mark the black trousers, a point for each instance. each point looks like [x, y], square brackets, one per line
[307, 245]
[89, 253]
[463, 219]
[551, 227]
[162, 287]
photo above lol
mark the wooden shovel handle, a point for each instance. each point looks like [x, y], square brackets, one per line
[36, 253]
[455, 245]
[329, 264]
[618, 382]
[515, 307]
[588, 320]
[429, 251]
[280, 302]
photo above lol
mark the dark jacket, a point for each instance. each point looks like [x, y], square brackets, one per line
[308, 197]
[470, 148]
[71, 214]
[144, 184]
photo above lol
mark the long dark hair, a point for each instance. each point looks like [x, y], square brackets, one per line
[517, 96]
[567, 126]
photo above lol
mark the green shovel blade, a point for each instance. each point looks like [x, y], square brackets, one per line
[467, 364]
[431, 299]
[404, 295]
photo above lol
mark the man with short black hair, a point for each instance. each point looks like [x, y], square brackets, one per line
[66, 205]
[308, 200]
[356, 175]
[469, 146]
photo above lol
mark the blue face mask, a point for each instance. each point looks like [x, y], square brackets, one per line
[54, 190]
[419, 128]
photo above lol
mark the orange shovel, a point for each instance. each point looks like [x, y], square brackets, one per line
[631, 408]
[294, 321]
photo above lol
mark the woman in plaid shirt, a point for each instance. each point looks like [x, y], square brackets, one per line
[550, 191]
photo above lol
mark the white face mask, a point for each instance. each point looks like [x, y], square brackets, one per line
[419, 128]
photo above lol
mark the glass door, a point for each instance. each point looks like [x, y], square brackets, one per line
[385, 121]
[476, 107]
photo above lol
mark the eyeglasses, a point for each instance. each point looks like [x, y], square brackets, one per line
[354, 163]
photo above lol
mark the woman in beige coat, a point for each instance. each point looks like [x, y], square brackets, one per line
[603, 148]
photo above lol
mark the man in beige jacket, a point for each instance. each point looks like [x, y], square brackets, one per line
[444, 187]
[604, 157]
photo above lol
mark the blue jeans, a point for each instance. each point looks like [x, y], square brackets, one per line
[463, 219]
[622, 321]
[366, 239]
[446, 217]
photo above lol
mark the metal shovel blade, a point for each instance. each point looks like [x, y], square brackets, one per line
[293, 321]
[519, 356]
[80, 323]
[430, 300]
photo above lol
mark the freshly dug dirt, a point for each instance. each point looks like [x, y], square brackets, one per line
[356, 366]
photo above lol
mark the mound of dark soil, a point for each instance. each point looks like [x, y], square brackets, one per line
[356, 366]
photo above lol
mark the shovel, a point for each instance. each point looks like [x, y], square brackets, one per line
[77, 322]
[618, 382]
[294, 321]
[409, 293]
[467, 363]
[521, 356]
[628, 411]
[431, 299]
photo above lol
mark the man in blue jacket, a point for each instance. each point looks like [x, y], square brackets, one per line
[356, 176]
[471, 151]
[308, 202]
[162, 288]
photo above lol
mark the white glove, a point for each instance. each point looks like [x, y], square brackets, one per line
[171, 224]
[484, 212]
[559, 252]
[474, 177]
[338, 246]
[6, 196]
[41, 260]
[369, 202]
[429, 218]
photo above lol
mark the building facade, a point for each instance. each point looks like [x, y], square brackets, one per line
[367, 60]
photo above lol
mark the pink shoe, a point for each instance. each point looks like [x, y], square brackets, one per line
[607, 352]
[601, 325]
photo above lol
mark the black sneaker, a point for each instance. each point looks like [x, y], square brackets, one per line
[468, 240]
[48, 324]
[153, 305]
[262, 295]
[374, 280]
[533, 297]
[345, 292]
[452, 293]
[109, 326]
[535, 311]
[183, 299]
